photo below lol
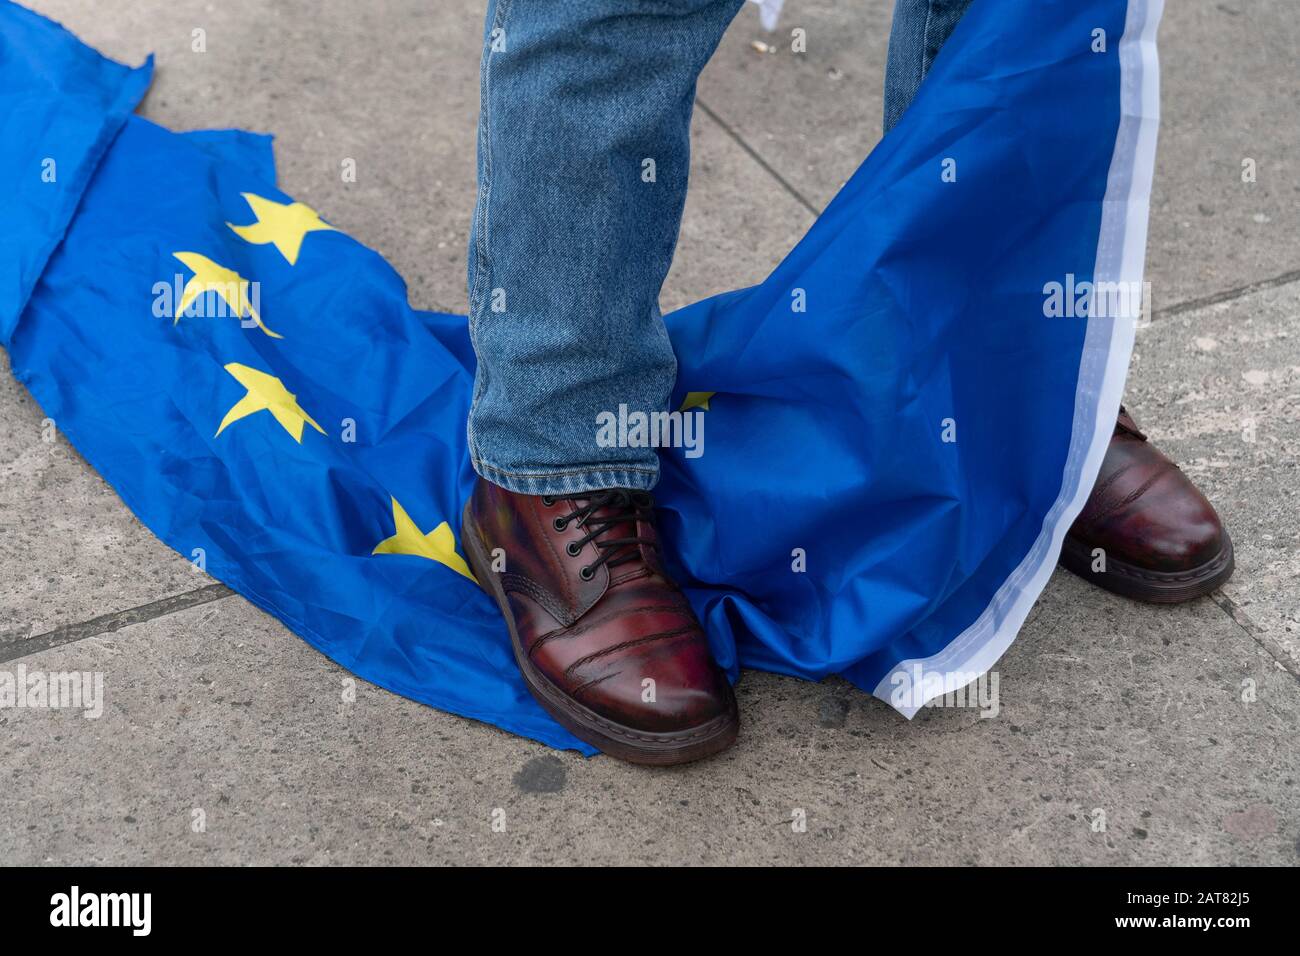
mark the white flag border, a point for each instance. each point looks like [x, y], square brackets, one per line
[1108, 345]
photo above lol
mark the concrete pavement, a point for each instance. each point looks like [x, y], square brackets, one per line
[1126, 734]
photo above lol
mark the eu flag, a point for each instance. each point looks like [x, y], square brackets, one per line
[255, 386]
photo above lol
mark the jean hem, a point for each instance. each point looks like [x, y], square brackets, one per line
[568, 481]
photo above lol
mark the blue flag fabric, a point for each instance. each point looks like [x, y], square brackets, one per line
[902, 420]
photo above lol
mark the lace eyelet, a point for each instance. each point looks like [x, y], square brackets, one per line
[573, 548]
[586, 573]
[547, 501]
[559, 524]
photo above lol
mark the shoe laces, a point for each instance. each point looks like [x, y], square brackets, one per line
[599, 512]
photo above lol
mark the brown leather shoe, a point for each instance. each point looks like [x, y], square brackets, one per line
[1161, 540]
[606, 641]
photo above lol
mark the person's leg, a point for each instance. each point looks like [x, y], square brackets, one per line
[1146, 531]
[583, 156]
[920, 28]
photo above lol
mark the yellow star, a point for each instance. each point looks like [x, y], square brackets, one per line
[438, 545]
[284, 224]
[227, 283]
[696, 400]
[266, 392]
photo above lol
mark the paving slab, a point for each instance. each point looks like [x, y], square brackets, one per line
[738, 223]
[390, 85]
[1227, 74]
[815, 114]
[1228, 85]
[1109, 714]
[1219, 389]
[69, 549]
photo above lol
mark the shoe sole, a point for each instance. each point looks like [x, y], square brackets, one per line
[625, 743]
[1155, 587]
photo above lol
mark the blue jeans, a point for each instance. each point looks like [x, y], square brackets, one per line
[583, 158]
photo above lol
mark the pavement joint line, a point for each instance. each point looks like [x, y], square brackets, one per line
[1255, 632]
[1228, 295]
[14, 648]
[116, 620]
[753, 154]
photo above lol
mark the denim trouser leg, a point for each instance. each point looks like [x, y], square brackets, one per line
[920, 28]
[583, 155]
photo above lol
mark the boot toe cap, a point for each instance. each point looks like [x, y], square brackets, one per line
[650, 699]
